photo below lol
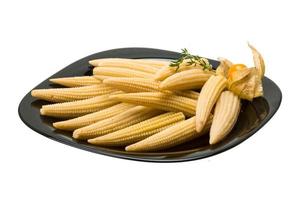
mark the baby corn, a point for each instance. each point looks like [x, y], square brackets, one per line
[159, 100]
[167, 71]
[225, 116]
[186, 93]
[117, 122]
[91, 118]
[77, 108]
[133, 84]
[179, 133]
[138, 131]
[117, 62]
[126, 65]
[144, 85]
[76, 81]
[120, 72]
[72, 94]
[207, 98]
[185, 80]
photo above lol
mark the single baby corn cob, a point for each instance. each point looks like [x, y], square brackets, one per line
[126, 65]
[133, 84]
[76, 81]
[225, 116]
[186, 93]
[72, 94]
[179, 133]
[207, 99]
[167, 71]
[126, 61]
[138, 131]
[143, 85]
[102, 78]
[117, 122]
[186, 80]
[159, 100]
[77, 108]
[91, 118]
[120, 72]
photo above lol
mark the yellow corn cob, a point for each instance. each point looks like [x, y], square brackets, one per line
[187, 93]
[102, 78]
[77, 108]
[144, 85]
[185, 80]
[72, 94]
[138, 131]
[91, 118]
[117, 122]
[179, 133]
[133, 84]
[120, 72]
[126, 61]
[75, 81]
[167, 71]
[225, 116]
[126, 65]
[258, 61]
[207, 98]
[159, 100]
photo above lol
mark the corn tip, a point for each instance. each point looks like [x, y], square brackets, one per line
[34, 93]
[199, 126]
[42, 111]
[76, 134]
[92, 141]
[92, 62]
[129, 148]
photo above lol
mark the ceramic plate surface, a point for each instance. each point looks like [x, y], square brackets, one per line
[253, 115]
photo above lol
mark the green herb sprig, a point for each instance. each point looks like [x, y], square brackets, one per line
[192, 60]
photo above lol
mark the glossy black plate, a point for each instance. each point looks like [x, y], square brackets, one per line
[252, 117]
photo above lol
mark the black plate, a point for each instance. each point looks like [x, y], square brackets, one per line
[252, 117]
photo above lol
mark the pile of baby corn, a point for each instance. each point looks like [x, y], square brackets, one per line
[147, 105]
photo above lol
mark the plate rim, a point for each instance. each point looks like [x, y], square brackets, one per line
[148, 53]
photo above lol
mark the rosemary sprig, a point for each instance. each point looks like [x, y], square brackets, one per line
[192, 60]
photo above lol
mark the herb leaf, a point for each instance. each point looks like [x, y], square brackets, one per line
[191, 60]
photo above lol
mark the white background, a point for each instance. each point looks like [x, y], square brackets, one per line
[38, 38]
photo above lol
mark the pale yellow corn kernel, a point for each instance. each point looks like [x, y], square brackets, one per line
[159, 100]
[76, 81]
[78, 108]
[126, 61]
[138, 131]
[117, 122]
[102, 78]
[208, 96]
[133, 84]
[181, 132]
[126, 65]
[144, 85]
[186, 80]
[167, 71]
[225, 116]
[120, 72]
[72, 94]
[187, 93]
[91, 118]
